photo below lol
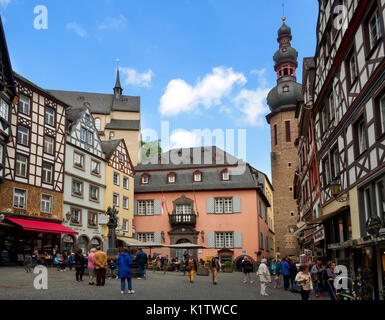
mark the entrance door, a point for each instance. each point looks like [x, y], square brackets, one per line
[180, 252]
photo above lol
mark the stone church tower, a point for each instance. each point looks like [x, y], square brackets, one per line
[282, 100]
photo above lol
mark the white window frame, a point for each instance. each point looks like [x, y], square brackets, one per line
[125, 202]
[98, 165]
[4, 110]
[97, 193]
[117, 196]
[223, 205]
[24, 105]
[145, 236]
[46, 204]
[374, 27]
[47, 173]
[97, 123]
[76, 182]
[21, 195]
[117, 180]
[171, 178]
[224, 239]
[361, 137]
[196, 175]
[49, 118]
[23, 137]
[144, 179]
[95, 214]
[145, 207]
[20, 165]
[49, 143]
[126, 183]
[81, 157]
[76, 211]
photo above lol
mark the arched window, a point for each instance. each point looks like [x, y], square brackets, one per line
[83, 244]
[197, 177]
[286, 89]
[97, 123]
[225, 175]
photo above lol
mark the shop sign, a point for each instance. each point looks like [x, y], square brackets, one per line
[319, 235]
[373, 225]
[68, 239]
[103, 219]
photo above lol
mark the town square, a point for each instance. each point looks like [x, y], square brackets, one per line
[192, 150]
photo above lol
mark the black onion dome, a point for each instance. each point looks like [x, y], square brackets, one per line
[285, 53]
[285, 29]
[277, 98]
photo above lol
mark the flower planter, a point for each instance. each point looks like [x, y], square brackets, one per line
[203, 272]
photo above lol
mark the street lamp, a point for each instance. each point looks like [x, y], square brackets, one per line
[335, 189]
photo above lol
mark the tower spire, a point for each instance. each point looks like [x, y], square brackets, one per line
[118, 88]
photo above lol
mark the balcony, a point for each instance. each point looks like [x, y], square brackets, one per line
[182, 219]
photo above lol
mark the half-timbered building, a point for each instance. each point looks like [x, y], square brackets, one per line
[7, 95]
[119, 188]
[348, 114]
[32, 194]
[84, 187]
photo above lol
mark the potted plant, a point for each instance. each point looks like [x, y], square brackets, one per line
[228, 266]
[203, 270]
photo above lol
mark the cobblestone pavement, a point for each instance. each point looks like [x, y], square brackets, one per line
[15, 283]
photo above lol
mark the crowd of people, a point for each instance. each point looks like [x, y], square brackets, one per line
[317, 278]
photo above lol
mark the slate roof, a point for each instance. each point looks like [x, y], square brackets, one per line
[211, 174]
[100, 103]
[109, 146]
[123, 125]
[6, 62]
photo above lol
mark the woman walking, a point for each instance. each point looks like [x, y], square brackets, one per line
[303, 278]
[91, 266]
[191, 267]
[275, 268]
[79, 264]
[124, 263]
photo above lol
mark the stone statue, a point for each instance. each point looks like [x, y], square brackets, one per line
[112, 251]
[112, 213]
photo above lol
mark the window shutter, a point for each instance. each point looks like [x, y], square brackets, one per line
[236, 204]
[135, 207]
[157, 238]
[210, 205]
[210, 240]
[237, 239]
[157, 207]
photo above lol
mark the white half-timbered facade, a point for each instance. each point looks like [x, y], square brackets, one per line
[85, 183]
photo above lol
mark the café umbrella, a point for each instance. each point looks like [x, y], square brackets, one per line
[148, 245]
[186, 246]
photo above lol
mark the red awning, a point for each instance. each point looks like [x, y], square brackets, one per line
[42, 226]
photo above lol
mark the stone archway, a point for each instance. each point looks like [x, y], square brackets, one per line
[238, 261]
[183, 235]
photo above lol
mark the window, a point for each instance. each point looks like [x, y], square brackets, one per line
[326, 171]
[361, 136]
[353, 68]
[225, 175]
[382, 113]
[46, 203]
[374, 29]
[20, 199]
[125, 225]
[23, 106]
[335, 163]
[112, 134]
[86, 136]
[145, 236]
[125, 183]
[21, 165]
[115, 199]
[224, 240]
[83, 134]
[94, 193]
[4, 109]
[47, 173]
[380, 199]
[171, 178]
[76, 215]
[261, 246]
[145, 207]
[197, 177]
[287, 127]
[77, 188]
[367, 203]
[125, 202]
[324, 119]
[49, 116]
[90, 138]
[92, 219]
[121, 157]
[1, 153]
[183, 212]
[275, 135]
[285, 88]
[23, 135]
[144, 179]
[95, 167]
[116, 179]
[97, 123]
[332, 109]
[49, 145]
[78, 160]
[223, 205]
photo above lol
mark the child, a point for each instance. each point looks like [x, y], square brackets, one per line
[71, 260]
[112, 267]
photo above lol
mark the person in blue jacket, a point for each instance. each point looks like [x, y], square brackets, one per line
[285, 268]
[141, 260]
[124, 263]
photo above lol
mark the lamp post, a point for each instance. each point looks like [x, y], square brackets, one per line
[335, 189]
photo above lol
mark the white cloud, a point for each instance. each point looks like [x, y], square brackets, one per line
[184, 139]
[133, 77]
[77, 29]
[210, 91]
[113, 23]
[261, 74]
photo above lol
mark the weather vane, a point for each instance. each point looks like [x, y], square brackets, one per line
[283, 11]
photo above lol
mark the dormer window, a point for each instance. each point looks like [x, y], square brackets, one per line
[286, 89]
[171, 178]
[225, 175]
[144, 179]
[197, 176]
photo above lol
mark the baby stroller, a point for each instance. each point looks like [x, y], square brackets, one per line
[350, 293]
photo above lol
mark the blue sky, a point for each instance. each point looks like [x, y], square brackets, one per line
[195, 63]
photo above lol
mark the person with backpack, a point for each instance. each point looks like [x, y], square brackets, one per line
[214, 268]
[285, 267]
[275, 270]
[79, 263]
[316, 277]
[247, 268]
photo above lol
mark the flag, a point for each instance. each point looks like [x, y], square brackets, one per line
[163, 204]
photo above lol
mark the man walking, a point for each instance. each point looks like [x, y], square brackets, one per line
[247, 268]
[214, 268]
[141, 260]
[285, 267]
[264, 276]
[100, 259]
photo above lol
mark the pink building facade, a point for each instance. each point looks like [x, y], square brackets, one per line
[203, 204]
